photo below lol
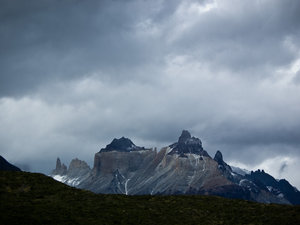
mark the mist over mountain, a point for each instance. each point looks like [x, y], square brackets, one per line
[182, 168]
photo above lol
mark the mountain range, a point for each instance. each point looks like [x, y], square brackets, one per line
[182, 168]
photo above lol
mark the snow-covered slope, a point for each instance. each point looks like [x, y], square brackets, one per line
[240, 171]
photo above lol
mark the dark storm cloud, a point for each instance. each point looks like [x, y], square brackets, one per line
[42, 41]
[244, 38]
[45, 41]
[76, 74]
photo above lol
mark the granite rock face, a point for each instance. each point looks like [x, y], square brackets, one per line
[78, 167]
[181, 168]
[77, 172]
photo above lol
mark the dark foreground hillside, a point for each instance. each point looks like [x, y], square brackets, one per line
[28, 198]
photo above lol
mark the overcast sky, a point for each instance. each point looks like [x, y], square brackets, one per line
[76, 74]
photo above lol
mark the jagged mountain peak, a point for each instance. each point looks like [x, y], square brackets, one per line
[187, 144]
[185, 135]
[218, 157]
[121, 144]
[78, 164]
[60, 168]
[58, 163]
[223, 166]
[187, 139]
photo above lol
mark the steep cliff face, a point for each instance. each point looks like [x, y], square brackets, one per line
[149, 172]
[108, 162]
[128, 169]
[116, 167]
[181, 168]
[77, 172]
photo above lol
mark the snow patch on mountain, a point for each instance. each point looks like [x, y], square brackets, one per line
[240, 171]
[65, 179]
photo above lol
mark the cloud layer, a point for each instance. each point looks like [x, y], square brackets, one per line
[75, 74]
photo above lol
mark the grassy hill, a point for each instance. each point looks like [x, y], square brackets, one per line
[29, 198]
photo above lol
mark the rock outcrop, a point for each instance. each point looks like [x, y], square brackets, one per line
[187, 144]
[77, 172]
[223, 166]
[60, 169]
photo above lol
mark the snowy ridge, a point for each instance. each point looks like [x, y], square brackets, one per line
[240, 171]
[69, 181]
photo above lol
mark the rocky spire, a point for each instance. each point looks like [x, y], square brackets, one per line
[60, 168]
[187, 144]
[219, 157]
[185, 135]
[58, 163]
[223, 166]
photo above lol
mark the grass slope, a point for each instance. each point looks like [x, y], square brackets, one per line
[28, 198]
